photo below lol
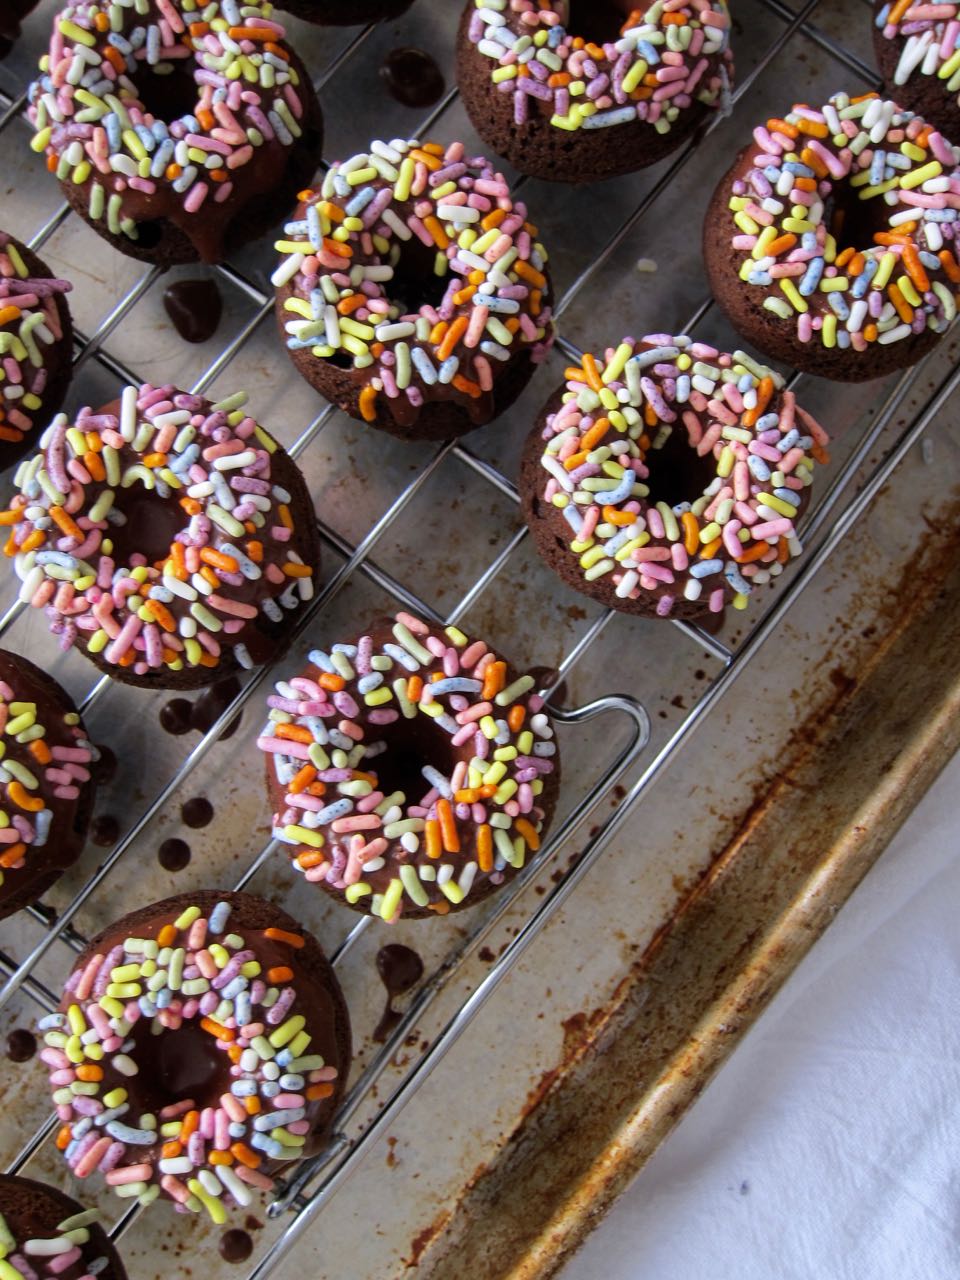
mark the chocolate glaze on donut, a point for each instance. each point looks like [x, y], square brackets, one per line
[35, 1212]
[345, 13]
[48, 792]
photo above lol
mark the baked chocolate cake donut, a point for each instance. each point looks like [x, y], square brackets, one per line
[45, 1235]
[46, 788]
[413, 291]
[666, 478]
[345, 13]
[412, 771]
[918, 50]
[36, 346]
[213, 1043]
[177, 130]
[577, 92]
[12, 13]
[170, 539]
[831, 242]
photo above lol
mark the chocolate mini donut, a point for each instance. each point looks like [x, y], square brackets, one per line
[345, 13]
[413, 291]
[918, 50]
[36, 346]
[47, 1236]
[12, 13]
[613, 89]
[831, 242]
[170, 539]
[46, 789]
[666, 478]
[412, 771]
[178, 131]
[214, 1043]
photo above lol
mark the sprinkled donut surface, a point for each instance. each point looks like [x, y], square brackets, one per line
[668, 56]
[45, 1235]
[105, 141]
[424, 212]
[412, 771]
[928, 37]
[668, 413]
[167, 537]
[34, 343]
[45, 781]
[782, 199]
[196, 1052]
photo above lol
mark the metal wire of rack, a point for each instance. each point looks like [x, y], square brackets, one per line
[316, 1181]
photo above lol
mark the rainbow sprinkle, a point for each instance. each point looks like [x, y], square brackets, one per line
[668, 56]
[45, 1258]
[29, 322]
[228, 559]
[44, 764]
[342, 250]
[98, 135]
[476, 815]
[931, 41]
[601, 450]
[901, 285]
[196, 1151]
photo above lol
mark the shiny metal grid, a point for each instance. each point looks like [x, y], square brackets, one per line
[316, 1181]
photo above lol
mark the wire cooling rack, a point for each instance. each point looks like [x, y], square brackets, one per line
[376, 1097]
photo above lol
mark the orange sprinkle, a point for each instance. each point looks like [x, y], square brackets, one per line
[219, 559]
[452, 337]
[516, 717]
[10, 313]
[595, 434]
[435, 227]
[781, 244]
[911, 260]
[899, 9]
[471, 389]
[170, 1150]
[240, 1151]
[529, 833]
[162, 615]
[255, 551]
[191, 506]
[95, 466]
[592, 373]
[781, 126]
[22, 799]
[783, 551]
[167, 935]
[613, 515]
[286, 519]
[64, 1137]
[293, 733]
[448, 827]
[423, 154]
[535, 277]
[484, 847]
[66, 523]
[330, 681]
[11, 517]
[950, 265]
[756, 552]
[89, 1072]
[494, 679]
[493, 220]
[295, 940]
[904, 309]
[302, 779]
[252, 1105]
[338, 248]
[217, 1029]
[691, 533]
[710, 550]
[813, 127]
[317, 1091]
[294, 570]
[764, 392]
[347, 306]
[12, 854]
[40, 751]
[282, 973]
[434, 844]
[313, 858]
[414, 688]
[368, 400]
[220, 1157]
[191, 1122]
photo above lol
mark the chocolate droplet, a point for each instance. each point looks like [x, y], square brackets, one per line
[194, 307]
[21, 1045]
[105, 768]
[412, 77]
[176, 716]
[399, 968]
[235, 1245]
[197, 812]
[174, 854]
[105, 831]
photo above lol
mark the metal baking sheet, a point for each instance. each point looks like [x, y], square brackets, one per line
[669, 730]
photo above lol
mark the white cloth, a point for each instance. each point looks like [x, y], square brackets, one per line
[828, 1147]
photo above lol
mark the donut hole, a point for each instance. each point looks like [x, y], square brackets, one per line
[677, 472]
[410, 744]
[853, 222]
[175, 1066]
[150, 526]
[415, 284]
[168, 96]
[599, 20]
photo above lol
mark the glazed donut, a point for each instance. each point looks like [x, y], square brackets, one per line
[36, 346]
[168, 538]
[412, 771]
[413, 291]
[177, 131]
[47, 1236]
[830, 244]
[45, 782]
[214, 1043]
[578, 107]
[919, 58]
[666, 478]
[345, 13]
